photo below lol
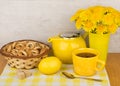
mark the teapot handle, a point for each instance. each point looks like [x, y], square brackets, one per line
[85, 35]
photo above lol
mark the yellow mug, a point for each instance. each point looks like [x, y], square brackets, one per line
[86, 62]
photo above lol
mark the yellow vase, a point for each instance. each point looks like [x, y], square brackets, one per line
[100, 42]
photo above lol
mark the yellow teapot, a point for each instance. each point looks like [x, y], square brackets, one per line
[65, 43]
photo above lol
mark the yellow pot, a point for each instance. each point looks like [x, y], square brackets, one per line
[63, 46]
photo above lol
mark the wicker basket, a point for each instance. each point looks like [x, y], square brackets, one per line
[24, 54]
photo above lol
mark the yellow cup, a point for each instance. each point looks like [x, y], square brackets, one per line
[85, 61]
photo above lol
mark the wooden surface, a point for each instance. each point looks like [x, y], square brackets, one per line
[112, 67]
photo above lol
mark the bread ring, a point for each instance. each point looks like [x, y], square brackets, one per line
[23, 42]
[19, 46]
[35, 52]
[30, 45]
[7, 48]
[29, 53]
[42, 45]
[13, 44]
[22, 53]
[37, 44]
[37, 48]
[42, 50]
[14, 52]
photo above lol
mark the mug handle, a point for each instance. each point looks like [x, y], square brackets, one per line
[102, 64]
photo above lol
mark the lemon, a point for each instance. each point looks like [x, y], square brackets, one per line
[49, 65]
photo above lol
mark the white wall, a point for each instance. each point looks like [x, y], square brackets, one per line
[40, 19]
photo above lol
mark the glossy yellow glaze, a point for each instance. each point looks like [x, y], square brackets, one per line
[100, 42]
[86, 66]
[63, 47]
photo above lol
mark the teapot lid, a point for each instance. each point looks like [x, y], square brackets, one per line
[69, 34]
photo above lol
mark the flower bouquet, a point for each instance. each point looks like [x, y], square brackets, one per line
[99, 22]
[97, 19]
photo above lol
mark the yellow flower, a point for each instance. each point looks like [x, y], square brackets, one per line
[88, 25]
[97, 13]
[101, 29]
[108, 19]
[78, 23]
[97, 19]
[85, 15]
[117, 19]
[112, 28]
[96, 9]
[111, 10]
[76, 15]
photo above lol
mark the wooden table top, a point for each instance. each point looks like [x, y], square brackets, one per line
[112, 67]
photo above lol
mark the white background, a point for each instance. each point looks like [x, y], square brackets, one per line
[41, 19]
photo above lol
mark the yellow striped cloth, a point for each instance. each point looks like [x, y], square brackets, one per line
[9, 78]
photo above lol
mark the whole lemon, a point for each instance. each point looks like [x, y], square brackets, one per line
[49, 65]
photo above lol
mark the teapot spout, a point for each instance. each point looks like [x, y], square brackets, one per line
[50, 39]
[53, 38]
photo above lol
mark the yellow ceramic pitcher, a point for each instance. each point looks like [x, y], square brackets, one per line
[65, 43]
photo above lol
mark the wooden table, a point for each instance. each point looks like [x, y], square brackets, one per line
[112, 67]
